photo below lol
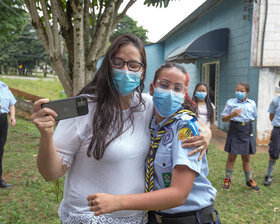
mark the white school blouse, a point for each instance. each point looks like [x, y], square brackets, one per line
[119, 171]
[203, 114]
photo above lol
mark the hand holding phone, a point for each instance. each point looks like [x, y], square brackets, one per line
[69, 107]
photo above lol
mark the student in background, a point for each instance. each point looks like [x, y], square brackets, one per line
[206, 108]
[240, 112]
[274, 145]
[7, 102]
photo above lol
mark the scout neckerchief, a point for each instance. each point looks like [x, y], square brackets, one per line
[149, 183]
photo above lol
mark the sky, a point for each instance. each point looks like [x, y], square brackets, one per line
[159, 21]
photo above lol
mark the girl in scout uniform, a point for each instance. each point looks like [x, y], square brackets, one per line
[274, 145]
[177, 187]
[240, 112]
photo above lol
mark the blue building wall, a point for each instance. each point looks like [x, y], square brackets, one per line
[235, 67]
[155, 58]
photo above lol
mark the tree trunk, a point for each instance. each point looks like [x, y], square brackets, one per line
[62, 75]
[79, 50]
[5, 69]
[45, 70]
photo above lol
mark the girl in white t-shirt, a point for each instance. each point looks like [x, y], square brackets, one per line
[205, 107]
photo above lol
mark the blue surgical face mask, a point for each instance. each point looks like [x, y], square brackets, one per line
[126, 81]
[167, 102]
[240, 95]
[200, 95]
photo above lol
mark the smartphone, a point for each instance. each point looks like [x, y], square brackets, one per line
[69, 107]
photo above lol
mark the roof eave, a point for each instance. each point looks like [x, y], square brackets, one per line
[199, 12]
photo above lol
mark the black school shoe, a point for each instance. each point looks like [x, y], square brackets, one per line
[253, 185]
[267, 181]
[3, 184]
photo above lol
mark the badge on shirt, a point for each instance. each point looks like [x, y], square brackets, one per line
[168, 136]
[166, 179]
[184, 133]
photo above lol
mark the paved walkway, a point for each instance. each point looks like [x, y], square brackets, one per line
[219, 139]
[49, 77]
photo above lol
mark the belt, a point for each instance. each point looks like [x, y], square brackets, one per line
[207, 215]
[242, 123]
[3, 114]
[246, 123]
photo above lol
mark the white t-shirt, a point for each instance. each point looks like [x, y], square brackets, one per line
[119, 171]
[202, 113]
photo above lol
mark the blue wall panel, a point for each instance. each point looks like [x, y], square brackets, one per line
[154, 53]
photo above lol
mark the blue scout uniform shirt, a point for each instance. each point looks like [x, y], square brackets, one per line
[249, 110]
[170, 153]
[7, 99]
[274, 108]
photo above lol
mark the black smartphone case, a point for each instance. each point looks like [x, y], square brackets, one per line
[69, 107]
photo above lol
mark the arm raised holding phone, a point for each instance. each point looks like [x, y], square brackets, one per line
[48, 161]
[44, 116]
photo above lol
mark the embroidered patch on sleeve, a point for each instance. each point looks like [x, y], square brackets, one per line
[184, 133]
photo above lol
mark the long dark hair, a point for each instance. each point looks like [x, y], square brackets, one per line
[108, 119]
[188, 103]
[210, 110]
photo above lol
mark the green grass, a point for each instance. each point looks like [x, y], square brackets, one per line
[241, 204]
[32, 200]
[51, 89]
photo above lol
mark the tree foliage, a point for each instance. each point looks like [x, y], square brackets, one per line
[12, 19]
[128, 25]
[83, 27]
[23, 53]
[157, 3]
